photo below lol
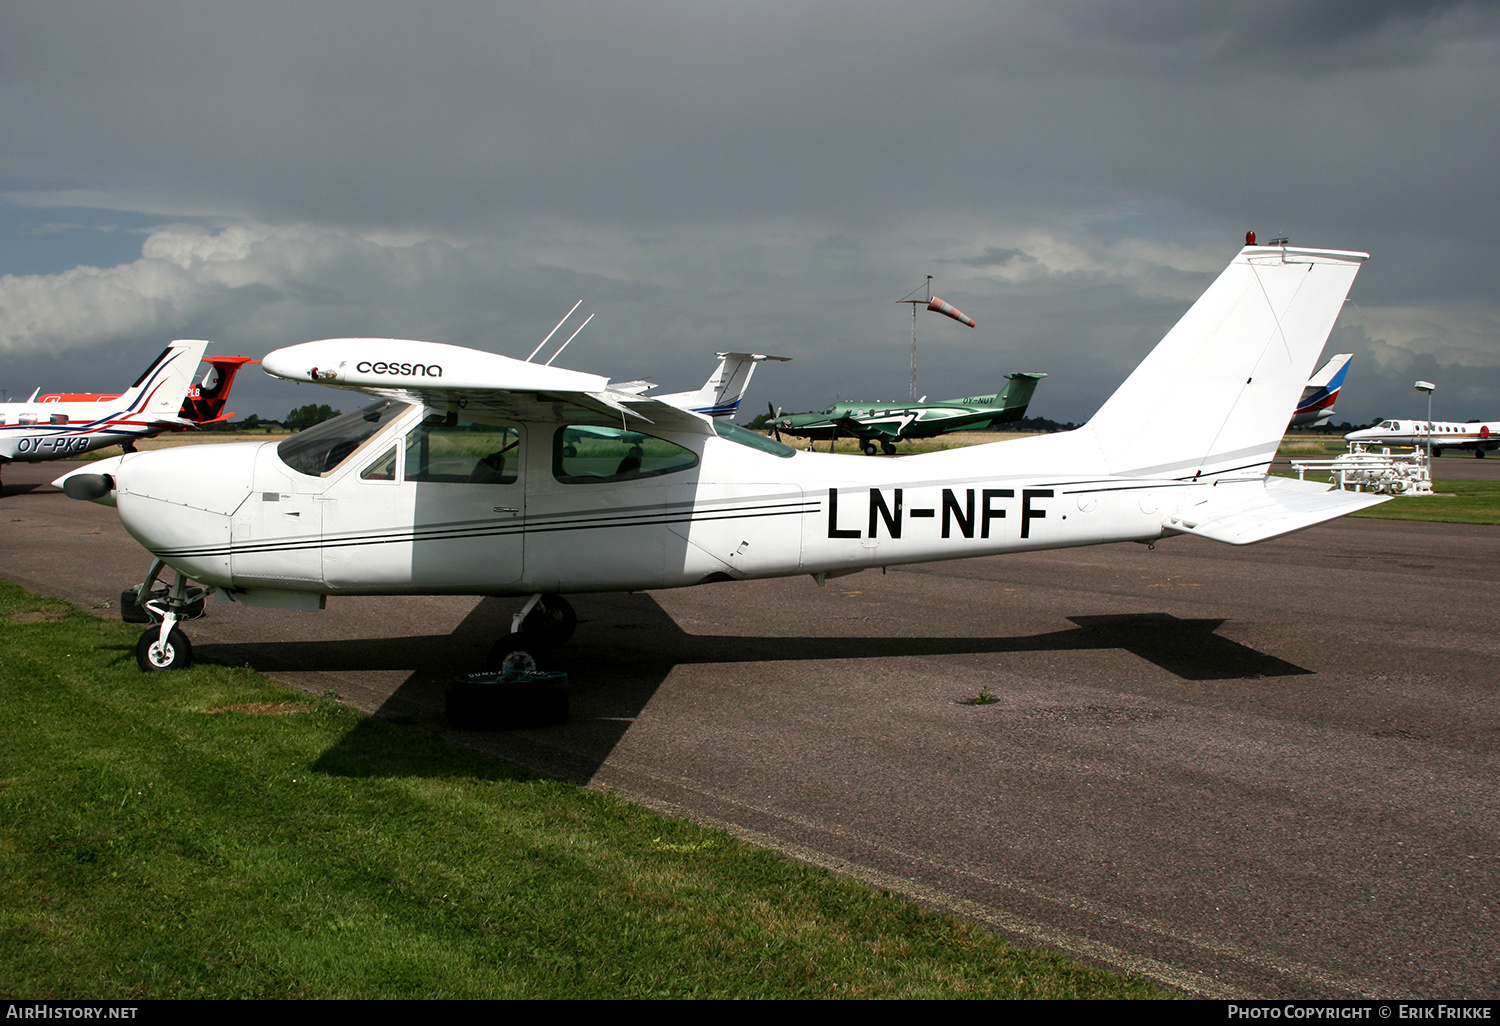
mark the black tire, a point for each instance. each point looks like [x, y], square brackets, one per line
[506, 701]
[151, 657]
[551, 621]
[130, 608]
[1479, 454]
[871, 449]
[517, 652]
[889, 448]
[1436, 453]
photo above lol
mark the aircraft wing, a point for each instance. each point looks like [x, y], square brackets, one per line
[863, 429]
[1242, 512]
[452, 377]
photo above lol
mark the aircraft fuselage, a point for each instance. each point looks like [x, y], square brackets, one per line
[31, 432]
[1477, 436]
[553, 518]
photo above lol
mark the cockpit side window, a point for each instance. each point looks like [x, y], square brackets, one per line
[320, 449]
[453, 451]
[383, 469]
[594, 455]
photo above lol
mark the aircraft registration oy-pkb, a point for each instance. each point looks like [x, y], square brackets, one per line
[486, 475]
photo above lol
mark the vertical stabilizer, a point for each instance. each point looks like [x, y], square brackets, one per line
[1010, 402]
[205, 401]
[1212, 398]
[721, 394]
[1315, 408]
[159, 391]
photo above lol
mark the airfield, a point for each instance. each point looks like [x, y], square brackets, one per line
[1263, 771]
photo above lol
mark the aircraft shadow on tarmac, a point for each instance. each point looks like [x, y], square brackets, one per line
[627, 645]
[10, 490]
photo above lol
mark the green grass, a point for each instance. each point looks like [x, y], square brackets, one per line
[1458, 502]
[207, 833]
[1310, 445]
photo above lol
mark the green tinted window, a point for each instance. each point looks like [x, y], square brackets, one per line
[453, 451]
[590, 455]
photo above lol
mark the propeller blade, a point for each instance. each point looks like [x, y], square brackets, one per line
[775, 415]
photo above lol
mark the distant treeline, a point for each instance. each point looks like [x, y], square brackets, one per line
[251, 423]
[300, 419]
[1039, 424]
[1334, 429]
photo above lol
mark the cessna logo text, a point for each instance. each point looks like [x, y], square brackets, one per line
[405, 370]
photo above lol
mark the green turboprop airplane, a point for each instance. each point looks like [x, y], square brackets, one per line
[880, 425]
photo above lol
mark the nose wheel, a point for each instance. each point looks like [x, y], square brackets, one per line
[152, 653]
[163, 646]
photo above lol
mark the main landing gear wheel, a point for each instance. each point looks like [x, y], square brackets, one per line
[518, 652]
[151, 655]
[889, 448]
[551, 621]
[870, 448]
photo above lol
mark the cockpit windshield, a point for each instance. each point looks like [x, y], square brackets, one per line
[324, 446]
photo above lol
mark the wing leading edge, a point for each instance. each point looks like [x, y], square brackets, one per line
[439, 375]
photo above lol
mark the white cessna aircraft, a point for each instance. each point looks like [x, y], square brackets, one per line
[1445, 434]
[477, 474]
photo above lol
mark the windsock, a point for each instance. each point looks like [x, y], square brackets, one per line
[938, 306]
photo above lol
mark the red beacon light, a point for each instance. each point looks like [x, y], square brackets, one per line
[1249, 238]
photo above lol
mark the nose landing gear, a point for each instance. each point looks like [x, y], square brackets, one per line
[163, 646]
[174, 653]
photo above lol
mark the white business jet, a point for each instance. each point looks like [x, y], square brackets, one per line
[478, 474]
[1478, 436]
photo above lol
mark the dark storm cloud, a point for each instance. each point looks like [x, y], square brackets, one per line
[995, 256]
[757, 174]
[1335, 34]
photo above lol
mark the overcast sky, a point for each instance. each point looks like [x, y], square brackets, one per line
[766, 176]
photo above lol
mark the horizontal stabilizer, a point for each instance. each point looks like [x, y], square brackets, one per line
[1241, 512]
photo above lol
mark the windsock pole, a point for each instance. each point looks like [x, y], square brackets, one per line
[936, 305]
